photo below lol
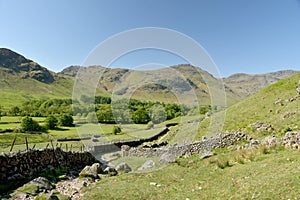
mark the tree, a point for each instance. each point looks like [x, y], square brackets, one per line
[66, 120]
[28, 124]
[157, 114]
[116, 130]
[140, 116]
[51, 122]
[92, 118]
[104, 114]
[15, 111]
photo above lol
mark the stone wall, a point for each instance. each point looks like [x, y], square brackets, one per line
[206, 144]
[27, 164]
[115, 145]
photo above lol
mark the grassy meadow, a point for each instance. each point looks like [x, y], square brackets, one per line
[261, 173]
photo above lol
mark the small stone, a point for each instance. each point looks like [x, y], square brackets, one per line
[153, 183]
[110, 171]
[148, 164]
[124, 167]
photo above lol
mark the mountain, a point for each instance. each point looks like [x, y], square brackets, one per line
[245, 85]
[181, 83]
[16, 64]
[22, 79]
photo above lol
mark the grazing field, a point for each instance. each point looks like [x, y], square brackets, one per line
[98, 132]
[247, 174]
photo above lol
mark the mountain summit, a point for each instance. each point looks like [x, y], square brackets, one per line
[15, 63]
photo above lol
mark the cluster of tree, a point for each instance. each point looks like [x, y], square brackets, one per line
[104, 110]
[140, 112]
[41, 108]
[51, 122]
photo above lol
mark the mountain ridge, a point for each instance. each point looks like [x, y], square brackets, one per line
[22, 78]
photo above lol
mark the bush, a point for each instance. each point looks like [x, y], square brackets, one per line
[66, 120]
[150, 125]
[28, 124]
[287, 129]
[51, 122]
[223, 163]
[116, 130]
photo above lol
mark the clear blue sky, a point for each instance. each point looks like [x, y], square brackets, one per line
[240, 35]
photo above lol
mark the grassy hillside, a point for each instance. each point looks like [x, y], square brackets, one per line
[15, 90]
[247, 174]
[261, 107]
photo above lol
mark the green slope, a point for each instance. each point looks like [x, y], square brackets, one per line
[15, 90]
[261, 107]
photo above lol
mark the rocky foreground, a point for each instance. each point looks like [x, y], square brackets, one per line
[70, 185]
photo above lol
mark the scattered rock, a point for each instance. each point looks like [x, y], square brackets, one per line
[278, 101]
[91, 171]
[153, 183]
[260, 126]
[72, 188]
[147, 165]
[110, 171]
[52, 196]
[298, 88]
[287, 115]
[167, 158]
[205, 154]
[42, 182]
[19, 195]
[124, 167]
[292, 99]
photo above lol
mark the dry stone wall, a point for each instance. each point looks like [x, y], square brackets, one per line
[206, 144]
[25, 165]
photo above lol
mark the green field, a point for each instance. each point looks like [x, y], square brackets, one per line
[103, 132]
[247, 174]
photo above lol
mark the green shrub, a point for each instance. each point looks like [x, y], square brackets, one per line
[66, 120]
[222, 163]
[116, 130]
[51, 122]
[150, 125]
[264, 150]
[28, 124]
[287, 129]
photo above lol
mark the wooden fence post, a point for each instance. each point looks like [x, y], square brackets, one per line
[13, 143]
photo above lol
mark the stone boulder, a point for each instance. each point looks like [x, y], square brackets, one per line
[91, 171]
[110, 171]
[147, 165]
[42, 183]
[205, 154]
[167, 158]
[123, 167]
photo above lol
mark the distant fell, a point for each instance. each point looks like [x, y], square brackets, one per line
[245, 85]
[22, 79]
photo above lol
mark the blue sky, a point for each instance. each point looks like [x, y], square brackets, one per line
[240, 35]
